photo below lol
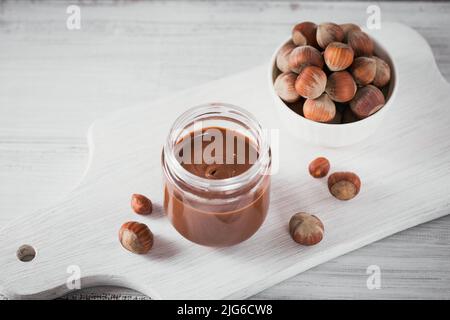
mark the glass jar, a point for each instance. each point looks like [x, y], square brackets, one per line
[223, 211]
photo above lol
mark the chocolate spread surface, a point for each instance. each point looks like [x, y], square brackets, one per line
[217, 218]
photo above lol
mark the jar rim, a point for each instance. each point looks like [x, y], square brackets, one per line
[222, 111]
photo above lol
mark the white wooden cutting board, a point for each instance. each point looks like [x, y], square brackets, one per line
[404, 168]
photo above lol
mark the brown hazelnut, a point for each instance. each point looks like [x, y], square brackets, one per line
[363, 70]
[304, 56]
[306, 229]
[349, 27]
[319, 167]
[311, 82]
[383, 73]
[304, 33]
[340, 86]
[338, 56]
[344, 185]
[282, 60]
[348, 116]
[321, 109]
[285, 87]
[136, 237]
[141, 204]
[328, 33]
[367, 101]
[361, 43]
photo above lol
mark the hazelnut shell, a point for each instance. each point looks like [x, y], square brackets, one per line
[328, 33]
[141, 204]
[361, 43]
[304, 33]
[338, 56]
[340, 86]
[363, 70]
[321, 109]
[344, 185]
[382, 74]
[304, 56]
[311, 82]
[367, 101]
[136, 237]
[282, 60]
[319, 167]
[284, 86]
[306, 229]
[349, 27]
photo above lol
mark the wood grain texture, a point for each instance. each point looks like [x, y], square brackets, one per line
[55, 82]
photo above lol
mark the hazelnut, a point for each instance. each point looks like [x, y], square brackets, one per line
[306, 229]
[328, 33]
[311, 82]
[338, 56]
[383, 73]
[285, 87]
[361, 43]
[340, 86]
[344, 185]
[136, 237]
[321, 109]
[348, 116]
[349, 27]
[304, 33]
[319, 167]
[363, 70]
[367, 101]
[304, 56]
[282, 60]
[141, 204]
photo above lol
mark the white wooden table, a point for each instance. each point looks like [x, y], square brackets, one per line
[54, 82]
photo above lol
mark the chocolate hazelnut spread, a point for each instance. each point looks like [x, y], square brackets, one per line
[217, 164]
[214, 216]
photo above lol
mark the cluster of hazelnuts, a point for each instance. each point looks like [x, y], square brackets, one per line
[135, 236]
[343, 185]
[329, 73]
[307, 229]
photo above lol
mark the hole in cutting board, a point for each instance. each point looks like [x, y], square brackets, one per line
[26, 253]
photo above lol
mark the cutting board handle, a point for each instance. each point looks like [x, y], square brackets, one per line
[74, 253]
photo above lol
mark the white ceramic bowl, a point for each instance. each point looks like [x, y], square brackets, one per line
[331, 135]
